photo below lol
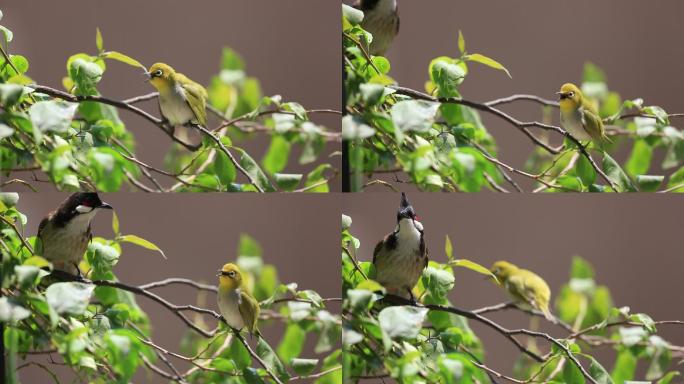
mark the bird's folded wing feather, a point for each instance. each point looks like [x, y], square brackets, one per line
[249, 310]
[196, 97]
[376, 251]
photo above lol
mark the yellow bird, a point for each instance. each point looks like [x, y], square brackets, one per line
[181, 100]
[579, 116]
[524, 286]
[238, 307]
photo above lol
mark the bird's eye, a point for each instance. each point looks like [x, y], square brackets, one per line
[231, 273]
[158, 72]
[571, 94]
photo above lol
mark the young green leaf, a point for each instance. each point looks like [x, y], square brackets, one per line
[482, 59]
[133, 239]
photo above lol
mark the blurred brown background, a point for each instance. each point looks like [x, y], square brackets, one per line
[545, 44]
[199, 233]
[292, 47]
[634, 244]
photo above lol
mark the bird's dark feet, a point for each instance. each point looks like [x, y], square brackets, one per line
[79, 275]
[412, 299]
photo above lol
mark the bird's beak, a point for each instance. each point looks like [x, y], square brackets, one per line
[105, 206]
[562, 95]
[147, 75]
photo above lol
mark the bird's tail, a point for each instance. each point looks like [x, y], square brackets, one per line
[547, 314]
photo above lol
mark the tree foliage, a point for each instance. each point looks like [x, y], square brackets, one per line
[438, 139]
[78, 140]
[94, 325]
[432, 341]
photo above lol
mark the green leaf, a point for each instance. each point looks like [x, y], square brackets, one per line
[667, 379]
[292, 343]
[353, 15]
[438, 281]
[640, 159]
[625, 366]
[317, 177]
[277, 155]
[676, 180]
[473, 266]
[52, 115]
[355, 129]
[252, 168]
[287, 182]
[461, 42]
[231, 60]
[10, 94]
[304, 366]
[224, 168]
[482, 59]
[118, 56]
[10, 312]
[98, 40]
[414, 115]
[271, 360]
[649, 183]
[599, 373]
[448, 248]
[401, 322]
[617, 175]
[69, 297]
[133, 239]
[585, 171]
[115, 223]
[447, 75]
[7, 35]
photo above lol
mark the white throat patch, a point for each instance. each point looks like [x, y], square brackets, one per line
[409, 232]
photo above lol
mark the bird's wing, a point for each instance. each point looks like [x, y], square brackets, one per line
[520, 290]
[39, 244]
[42, 225]
[592, 123]
[378, 248]
[196, 97]
[249, 310]
[425, 253]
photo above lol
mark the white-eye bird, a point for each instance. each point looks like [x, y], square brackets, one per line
[182, 102]
[65, 232]
[579, 116]
[381, 19]
[400, 257]
[239, 308]
[524, 287]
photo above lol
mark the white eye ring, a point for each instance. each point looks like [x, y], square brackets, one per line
[83, 209]
[571, 94]
[231, 273]
[158, 72]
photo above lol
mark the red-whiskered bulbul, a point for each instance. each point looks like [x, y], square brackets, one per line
[65, 232]
[402, 255]
[381, 19]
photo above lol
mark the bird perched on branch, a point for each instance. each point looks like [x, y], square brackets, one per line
[579, 116]
[402, 255]
[181, 100]
[65, 233]
[381, 19]
[238, 307]
[524, 287]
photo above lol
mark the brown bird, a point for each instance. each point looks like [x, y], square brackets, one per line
[402, 255]
[65, 232]
[381, 19]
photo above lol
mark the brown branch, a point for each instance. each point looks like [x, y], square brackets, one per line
[114, 103]
[507, 333]
[521, 125]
